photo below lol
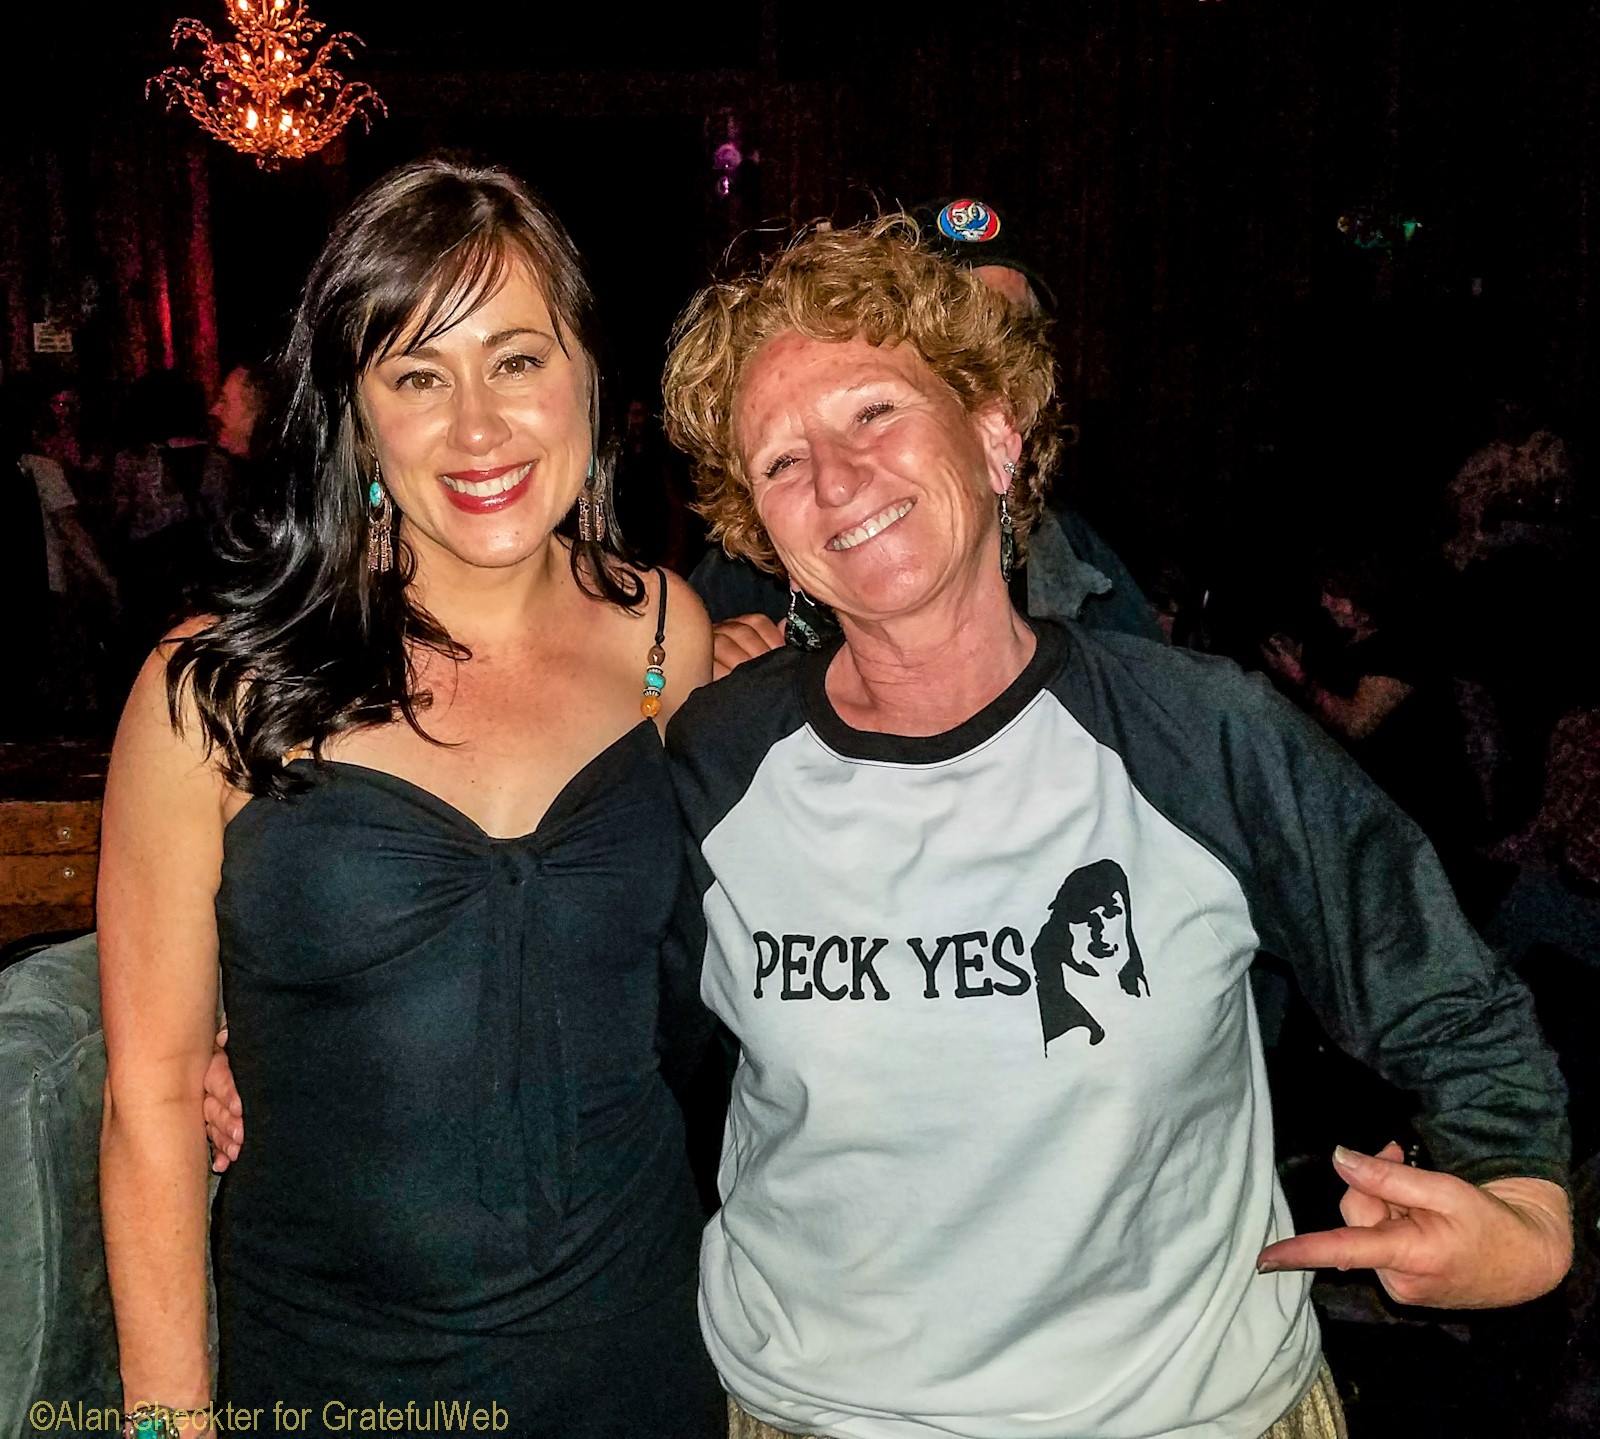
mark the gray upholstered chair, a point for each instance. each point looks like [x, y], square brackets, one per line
[57, 1341]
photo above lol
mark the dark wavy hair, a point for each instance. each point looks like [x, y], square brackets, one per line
[305, 641]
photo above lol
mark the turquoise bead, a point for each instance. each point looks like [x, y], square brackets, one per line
[375, 494]
[655, 680]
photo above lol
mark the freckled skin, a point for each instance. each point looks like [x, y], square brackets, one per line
[834, 434]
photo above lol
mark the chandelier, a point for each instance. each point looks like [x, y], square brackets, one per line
[263, 91]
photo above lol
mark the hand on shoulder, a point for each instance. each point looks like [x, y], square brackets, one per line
[741, 638]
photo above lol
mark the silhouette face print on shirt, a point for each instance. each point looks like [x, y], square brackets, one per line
[1090, 932]
[1102, 936]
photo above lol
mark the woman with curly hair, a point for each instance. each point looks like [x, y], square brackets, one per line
[403, 784]
[991, 1168]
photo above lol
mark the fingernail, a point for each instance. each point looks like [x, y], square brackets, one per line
[1267, 1266]
[1345, 1158]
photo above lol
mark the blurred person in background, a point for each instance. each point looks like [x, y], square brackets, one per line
[58, 585]
[157, 481]
[233, 470]
[1372, 666]
[237, 410]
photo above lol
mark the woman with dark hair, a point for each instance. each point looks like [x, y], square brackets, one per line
[398, 782]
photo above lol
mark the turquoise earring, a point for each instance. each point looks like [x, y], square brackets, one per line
[380, 525]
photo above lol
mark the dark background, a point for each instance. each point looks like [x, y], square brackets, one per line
[1248, 383]
[1240, 370]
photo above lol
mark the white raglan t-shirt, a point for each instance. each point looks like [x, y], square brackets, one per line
[998, 1159]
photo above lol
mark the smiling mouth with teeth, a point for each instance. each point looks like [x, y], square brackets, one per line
[849, 539]
[487, 489]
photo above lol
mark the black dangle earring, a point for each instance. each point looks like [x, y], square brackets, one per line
[807, 624]
[380, 525]
[1008, 531]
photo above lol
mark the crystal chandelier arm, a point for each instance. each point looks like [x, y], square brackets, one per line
[334, 47]
[193, 30]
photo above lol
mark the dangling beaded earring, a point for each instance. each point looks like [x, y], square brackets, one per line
[800, 629]
[655, 676]
[591, 514]
[380, 525]
[1008, 531]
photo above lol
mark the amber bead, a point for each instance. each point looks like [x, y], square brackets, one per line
[650, 706]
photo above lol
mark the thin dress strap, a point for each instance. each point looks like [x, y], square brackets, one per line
[655, 675]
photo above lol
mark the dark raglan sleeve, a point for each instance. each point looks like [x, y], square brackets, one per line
[1346, 889]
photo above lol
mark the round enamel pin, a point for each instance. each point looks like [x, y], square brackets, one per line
[969, 220]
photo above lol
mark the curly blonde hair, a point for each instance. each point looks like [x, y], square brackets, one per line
[874, 282]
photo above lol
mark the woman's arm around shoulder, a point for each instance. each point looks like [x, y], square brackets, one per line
[161, 855]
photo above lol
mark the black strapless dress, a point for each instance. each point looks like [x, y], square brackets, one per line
[464, 1178]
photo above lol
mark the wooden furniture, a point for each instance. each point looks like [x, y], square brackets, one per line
[49, 836]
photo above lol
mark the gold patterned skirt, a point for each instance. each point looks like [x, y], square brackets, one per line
[1318, 1415]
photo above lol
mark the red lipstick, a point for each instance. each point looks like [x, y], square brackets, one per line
[471, 476]
[485, 503]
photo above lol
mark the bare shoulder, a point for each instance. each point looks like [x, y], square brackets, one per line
[687, 621]
[160, 743]
[688, 634]
[148, 701]
[688, 642]
[631, 631]
[187, 629]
